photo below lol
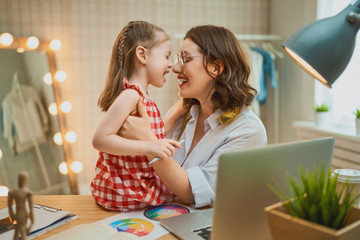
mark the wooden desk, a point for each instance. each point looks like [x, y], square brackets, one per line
[83, 206]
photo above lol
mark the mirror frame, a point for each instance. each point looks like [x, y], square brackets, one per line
[20, 43]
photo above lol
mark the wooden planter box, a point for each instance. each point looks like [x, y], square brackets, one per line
[284, 226]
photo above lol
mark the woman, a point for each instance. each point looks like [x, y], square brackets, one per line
[213, 116]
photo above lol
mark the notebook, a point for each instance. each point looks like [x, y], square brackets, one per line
[242, 190]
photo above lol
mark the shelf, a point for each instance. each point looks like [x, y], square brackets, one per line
[338, 132]
[347, 143]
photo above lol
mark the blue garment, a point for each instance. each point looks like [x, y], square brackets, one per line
[268, 71]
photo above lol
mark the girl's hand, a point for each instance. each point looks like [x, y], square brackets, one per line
[176, 113]
[179, 108]
[137, 128]
[163, 148]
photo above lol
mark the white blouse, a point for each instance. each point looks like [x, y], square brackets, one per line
[201, 165]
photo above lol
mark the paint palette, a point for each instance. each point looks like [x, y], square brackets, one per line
[136, 226]
[165, 211]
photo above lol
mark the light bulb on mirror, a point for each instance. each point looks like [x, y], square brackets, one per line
[32, 42]
[6, 39]
[53, 109]
[63, 169]
[4, 191]
[76, 166]
[58, 138]
[60, 76]
[1, 154]
[20, 50]
[71, 136]
[55, 45]
[65, 107]
[47, 78]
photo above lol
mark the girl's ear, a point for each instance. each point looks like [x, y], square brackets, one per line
[141, 54]
[217, 68]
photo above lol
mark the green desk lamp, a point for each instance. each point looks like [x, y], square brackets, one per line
[323, 48]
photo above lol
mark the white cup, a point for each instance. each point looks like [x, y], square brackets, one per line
[352, 177]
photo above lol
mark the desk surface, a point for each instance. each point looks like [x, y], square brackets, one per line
[83, 206]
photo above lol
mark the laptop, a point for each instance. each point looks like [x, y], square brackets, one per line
[242, 190]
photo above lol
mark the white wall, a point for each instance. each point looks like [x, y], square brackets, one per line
[88, 28]
[296, 90]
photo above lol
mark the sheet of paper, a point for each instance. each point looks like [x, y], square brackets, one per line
[139, 224]
[86, 231]
[98, 231]
[43, 217]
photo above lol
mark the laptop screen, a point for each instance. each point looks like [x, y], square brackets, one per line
[242, 190]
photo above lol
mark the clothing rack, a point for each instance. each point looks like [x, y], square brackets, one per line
[246, 37]
[258, 37]
[275, 111]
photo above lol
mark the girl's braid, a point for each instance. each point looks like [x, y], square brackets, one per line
[121, 44]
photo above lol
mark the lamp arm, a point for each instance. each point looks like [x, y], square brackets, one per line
[353, 17]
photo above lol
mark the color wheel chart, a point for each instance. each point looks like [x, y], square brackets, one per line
[165, 211]
[137, 226]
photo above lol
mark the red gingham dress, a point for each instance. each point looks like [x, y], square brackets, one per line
[126, 183]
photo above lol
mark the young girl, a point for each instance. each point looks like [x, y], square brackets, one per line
[124, 179]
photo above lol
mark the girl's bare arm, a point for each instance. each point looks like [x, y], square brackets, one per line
[106, 138]
[169, 171]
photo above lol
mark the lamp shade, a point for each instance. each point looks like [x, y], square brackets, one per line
[324, 48]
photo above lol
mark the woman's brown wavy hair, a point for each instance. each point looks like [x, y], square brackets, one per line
[231, 87]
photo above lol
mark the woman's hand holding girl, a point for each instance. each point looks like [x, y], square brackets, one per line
[138, 128]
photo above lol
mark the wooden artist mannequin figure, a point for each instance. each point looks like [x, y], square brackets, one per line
[21, 195]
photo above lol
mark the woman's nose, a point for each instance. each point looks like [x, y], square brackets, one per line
[176, 68]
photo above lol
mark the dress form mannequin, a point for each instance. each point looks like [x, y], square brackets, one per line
[21, 195]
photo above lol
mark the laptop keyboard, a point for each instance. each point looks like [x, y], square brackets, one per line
[203, 232]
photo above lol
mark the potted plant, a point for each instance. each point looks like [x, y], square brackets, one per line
[320, 209]
[321, 114]
[357, 121]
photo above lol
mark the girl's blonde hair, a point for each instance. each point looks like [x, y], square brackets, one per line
[134, 34]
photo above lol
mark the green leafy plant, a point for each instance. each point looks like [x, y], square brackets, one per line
[357, 113]
[321, 108]
[317, 198]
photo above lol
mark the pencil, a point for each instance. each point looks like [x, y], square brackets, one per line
[158, 158]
